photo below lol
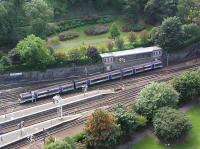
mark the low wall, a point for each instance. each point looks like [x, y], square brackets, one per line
[67, 72]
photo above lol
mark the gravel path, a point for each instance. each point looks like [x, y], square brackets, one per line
[81, 43]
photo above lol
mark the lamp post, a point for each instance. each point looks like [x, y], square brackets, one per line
[21, 125]
[58, 100]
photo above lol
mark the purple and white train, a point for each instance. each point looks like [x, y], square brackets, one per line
[154, 63]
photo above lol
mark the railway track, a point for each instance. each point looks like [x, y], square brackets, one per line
[125, 97]
[11, 97]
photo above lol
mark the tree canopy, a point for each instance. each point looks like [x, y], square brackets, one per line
[155, 96]
[34, 52]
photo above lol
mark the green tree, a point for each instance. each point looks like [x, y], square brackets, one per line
[74, 54]
[157, 10]
[169, 35]
[35, 9]
[132, 9]
[125, 119]
[170, 125]
[119, 43]
[186, 9]
[39, 28]
[114, 31]
[58, 145]
[155, 96]
[92, 52]
[5, 61]
[144, 36]
[5, 25]
[191, 30]
[132, 37]
[34, 52]
[101, 130]
[188, 85]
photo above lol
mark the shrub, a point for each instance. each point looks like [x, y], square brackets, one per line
[114, 31]
[125, 119]
[68, 36]
[101, 130]
[5, 61]
[34, 52]
[133, 28]
[144, 36]
[188, 85]
[74, 54]
[58, 145]
[140, 120]
[110, 46]
[191, 30]
[79, 137]
[97, 30]
[155, 96]
[14, 56]
[170, 125]
[93, 53]
[52, 29]
[132, 37]
[105, 19]
[119, 43]
[60, 57]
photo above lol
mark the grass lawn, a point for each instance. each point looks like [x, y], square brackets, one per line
[53, 41]
[192, 142]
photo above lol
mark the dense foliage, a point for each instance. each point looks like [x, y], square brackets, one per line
[155, 96]
[169, 35]
[170, 125]
[188, 85]
[101, 130]
[125, 119]
[34, 52]
[114, 31]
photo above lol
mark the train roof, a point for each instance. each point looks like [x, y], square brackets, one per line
[130, 52]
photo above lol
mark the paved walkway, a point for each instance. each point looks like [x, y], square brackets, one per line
[26, 132]
[49, 106]
[80, 43]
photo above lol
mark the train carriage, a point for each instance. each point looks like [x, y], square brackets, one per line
[140, 60]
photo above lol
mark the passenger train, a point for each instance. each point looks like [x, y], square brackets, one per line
[117, 74]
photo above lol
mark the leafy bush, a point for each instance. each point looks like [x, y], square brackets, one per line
[119, 43]
[69, 24]
[93, 53]
[34, 52]
[110, 46]
[79, 137]
[125, 119]
[188, 85]
[155, 96]
[191, 30]
[97, 30]
[52, 29]
[170, 125]
[101, 130]
[68, 36]
[114, 31]
[133, 28]
[14, 56]
[74, 54]
[140, 120]
[144, 36]
[132, 37]
[60, 57]
[5, 61]
[58, 145]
